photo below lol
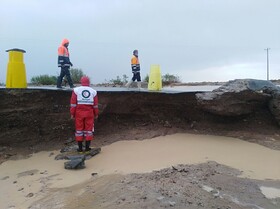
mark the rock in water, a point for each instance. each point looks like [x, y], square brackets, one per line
[70, 154]
[76, 162]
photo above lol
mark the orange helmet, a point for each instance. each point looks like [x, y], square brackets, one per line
[85, 81]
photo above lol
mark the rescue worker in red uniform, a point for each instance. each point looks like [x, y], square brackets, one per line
[84, 109]
[135, 67]
[64, 63]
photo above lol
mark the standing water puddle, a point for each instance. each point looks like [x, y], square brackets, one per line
[255, 161]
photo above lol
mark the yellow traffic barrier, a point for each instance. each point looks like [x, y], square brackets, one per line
[16, 74]
[155, 81]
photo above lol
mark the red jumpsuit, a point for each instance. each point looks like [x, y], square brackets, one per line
[84, 108]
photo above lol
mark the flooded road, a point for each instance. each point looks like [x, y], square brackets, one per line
[27, 180]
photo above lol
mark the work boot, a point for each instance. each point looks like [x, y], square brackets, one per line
[87, 146]
[80, 145]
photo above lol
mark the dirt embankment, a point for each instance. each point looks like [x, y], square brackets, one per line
[34, 120]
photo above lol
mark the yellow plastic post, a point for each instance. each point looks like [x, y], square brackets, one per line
[16, 74]
[155, 82]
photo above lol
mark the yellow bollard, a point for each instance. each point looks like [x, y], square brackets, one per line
[16, 75]
[155, 81]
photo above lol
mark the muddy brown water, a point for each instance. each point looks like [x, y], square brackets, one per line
[22, 181]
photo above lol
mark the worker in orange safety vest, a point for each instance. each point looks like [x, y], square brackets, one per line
[64, 63]
[135, 66]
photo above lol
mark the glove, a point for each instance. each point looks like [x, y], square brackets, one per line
[71, 64]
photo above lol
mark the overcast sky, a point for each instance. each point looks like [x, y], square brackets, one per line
[197, 40]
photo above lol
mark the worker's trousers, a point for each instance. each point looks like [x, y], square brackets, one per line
[84, 127]
[64, 72]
